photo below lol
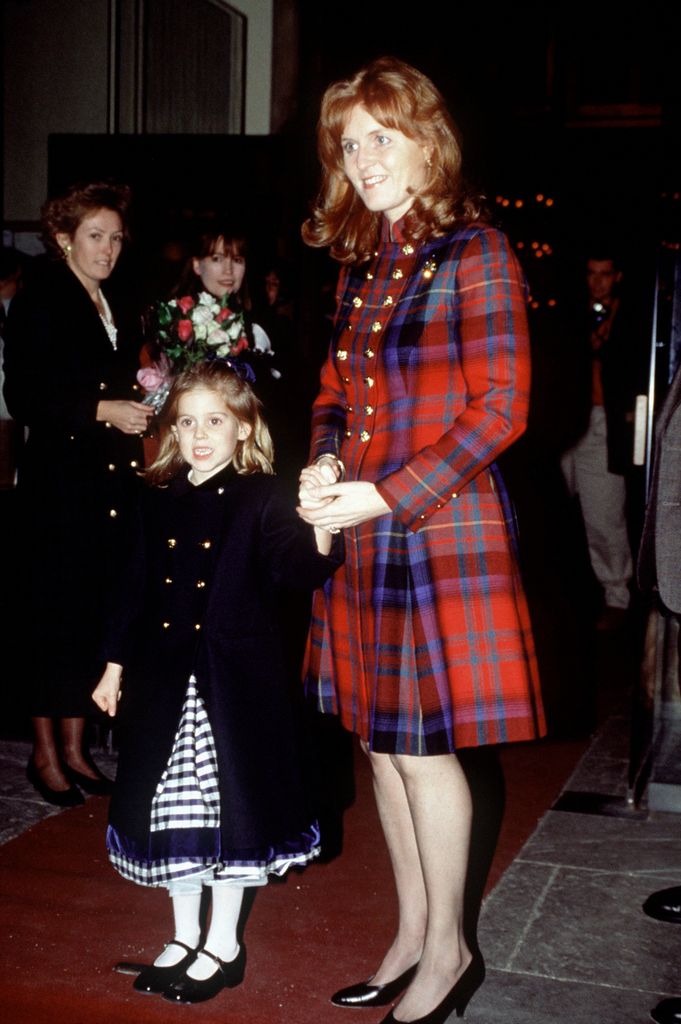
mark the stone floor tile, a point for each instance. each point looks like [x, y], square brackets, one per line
[525, 999]
[606, 843]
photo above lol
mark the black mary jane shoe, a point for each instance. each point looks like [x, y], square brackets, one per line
[457, 999]
[154, 980]
[228, 974]
[101, 786]
[71, 797]
[366, 994]
[667, 1012]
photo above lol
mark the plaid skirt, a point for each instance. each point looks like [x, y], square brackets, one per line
[185, 814]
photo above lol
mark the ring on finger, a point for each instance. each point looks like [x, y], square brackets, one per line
[333, 529]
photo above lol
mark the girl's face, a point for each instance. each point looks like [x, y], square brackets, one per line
[222, 271]
[207, 432]
[94, 247]
[384, 166]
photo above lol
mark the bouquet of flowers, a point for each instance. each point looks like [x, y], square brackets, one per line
[192, 330]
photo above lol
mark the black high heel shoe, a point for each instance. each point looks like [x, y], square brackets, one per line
[101, 786]
[71, 797]
[153, 980]
[365, 994]
[228, 974]
[457, 998]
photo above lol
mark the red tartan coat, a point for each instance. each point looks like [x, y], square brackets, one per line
[421, 641]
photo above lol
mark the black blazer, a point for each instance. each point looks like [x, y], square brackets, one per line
[76, 476]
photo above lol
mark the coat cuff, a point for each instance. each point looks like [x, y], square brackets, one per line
[412, 500]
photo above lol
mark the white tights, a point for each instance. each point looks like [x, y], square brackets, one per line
[221, 939]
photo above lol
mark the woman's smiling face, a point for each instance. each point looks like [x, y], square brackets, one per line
[384, 166]
[222, 271]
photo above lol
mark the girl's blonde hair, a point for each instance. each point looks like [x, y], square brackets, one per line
[255, 454]
[402, 98]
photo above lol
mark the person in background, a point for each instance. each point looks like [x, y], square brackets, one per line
[595, 467]
[11, 264]
[71, 352]
[659, 572]
[421, 641]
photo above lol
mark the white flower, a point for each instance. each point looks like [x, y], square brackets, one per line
[205, 299]
[224, 350]
[216, 337]
[200, 332]
[201, 315]
[234, 330]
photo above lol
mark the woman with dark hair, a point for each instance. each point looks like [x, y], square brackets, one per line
[70, 358]
[218, 264]
[421, 642]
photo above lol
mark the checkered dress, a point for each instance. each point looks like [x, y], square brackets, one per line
[187, 802]
[421, 641]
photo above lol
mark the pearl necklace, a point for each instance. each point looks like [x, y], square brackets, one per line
[107, 319]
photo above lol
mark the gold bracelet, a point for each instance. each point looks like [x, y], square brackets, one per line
[339, 462]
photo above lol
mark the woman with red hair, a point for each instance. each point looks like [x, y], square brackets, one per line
[421, 642]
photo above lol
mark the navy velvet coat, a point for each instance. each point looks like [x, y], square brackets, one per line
[203, 594]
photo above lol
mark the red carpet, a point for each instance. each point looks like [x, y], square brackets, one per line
[67, 917]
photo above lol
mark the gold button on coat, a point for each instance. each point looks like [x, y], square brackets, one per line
[364, 436]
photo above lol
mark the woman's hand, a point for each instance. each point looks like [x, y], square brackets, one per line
[339, 505]
[128, 417]
[107, 693]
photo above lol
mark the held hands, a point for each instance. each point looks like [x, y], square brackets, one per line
[128, 417]
[107, 693]
[332, 506]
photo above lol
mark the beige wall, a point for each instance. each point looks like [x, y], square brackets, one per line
[56, 80]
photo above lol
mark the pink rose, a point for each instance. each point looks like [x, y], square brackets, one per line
[185, 330]
[155, 376]
[185, 303]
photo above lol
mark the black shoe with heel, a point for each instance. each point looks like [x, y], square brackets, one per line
[366, 994]
[101, 786]
[154, 980]
[457, 999]
[71, 797]
[228, 974]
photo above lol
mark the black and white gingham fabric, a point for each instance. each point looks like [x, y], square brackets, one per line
[188, 797]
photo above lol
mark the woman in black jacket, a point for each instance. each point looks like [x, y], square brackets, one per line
[70, 357]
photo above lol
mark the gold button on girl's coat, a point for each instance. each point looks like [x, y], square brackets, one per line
[364, 436]
[357, 302]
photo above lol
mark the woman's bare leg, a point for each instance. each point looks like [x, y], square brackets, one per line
[398, 829]
[46, 755]
[440, 805]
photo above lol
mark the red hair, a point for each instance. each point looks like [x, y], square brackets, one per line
[402, 98]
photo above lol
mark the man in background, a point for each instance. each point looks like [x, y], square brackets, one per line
[594, 468]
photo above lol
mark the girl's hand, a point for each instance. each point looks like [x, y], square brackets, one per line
[128, 417]
[107, 693]
[336, 506]
[313, 477]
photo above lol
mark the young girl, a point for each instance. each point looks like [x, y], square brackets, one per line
[209, 788]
